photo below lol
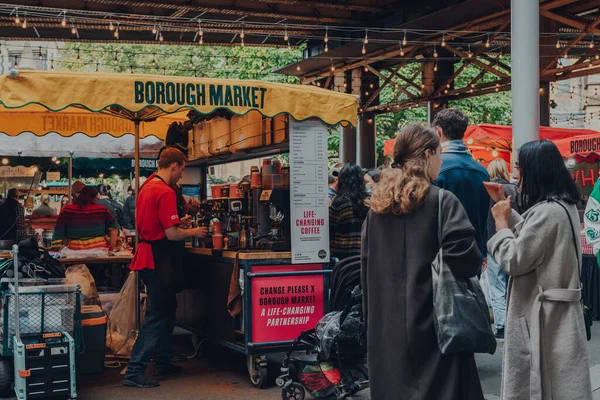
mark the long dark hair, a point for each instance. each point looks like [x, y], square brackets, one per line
[351, 186]
[544, 176]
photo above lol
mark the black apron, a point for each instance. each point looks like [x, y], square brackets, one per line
[168, 271]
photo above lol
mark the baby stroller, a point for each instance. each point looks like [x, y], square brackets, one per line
[334, 363]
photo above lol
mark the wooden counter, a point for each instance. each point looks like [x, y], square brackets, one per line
[244, 254]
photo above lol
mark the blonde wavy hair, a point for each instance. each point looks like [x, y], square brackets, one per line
[403, 187]
[498, 169]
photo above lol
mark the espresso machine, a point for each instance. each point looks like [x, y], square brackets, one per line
[272, 214]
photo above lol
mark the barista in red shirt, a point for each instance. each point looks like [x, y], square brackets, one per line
[158, 260]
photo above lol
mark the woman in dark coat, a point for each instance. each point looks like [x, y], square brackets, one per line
[399, 242]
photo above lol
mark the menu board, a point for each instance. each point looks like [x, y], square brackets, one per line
[309, 194]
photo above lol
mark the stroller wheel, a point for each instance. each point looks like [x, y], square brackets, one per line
[295, 391]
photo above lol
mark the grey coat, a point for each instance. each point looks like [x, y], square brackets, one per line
[405, 361]
[545, 355]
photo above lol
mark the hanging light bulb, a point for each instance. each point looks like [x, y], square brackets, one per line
[262, 66]
[560, 65]
[111, 27]
[289, 45]
[326, 38]
[116, 60]
[332, 68]
[435, 67]
[366, 68]
[242, 42]
[154, 60]
[297, 67]
[117, 32]
[487, 43]
[41, 56]
[191, 62]
[401, 50]
[326, 48]
[242, 35]
[558, 43]
[63, 23]
[443, 40]
[597, 56]
[201, 40]
[435, 53]
[404, 42]
[16, 62]
[24, 22]
[154, 29]
[160, 37]
[78, 56]
[97, 66]
[469, 54]
[17, 19]
[286, 38]
[73, 29]
[52, 64]
[364, 50]
[366, 41]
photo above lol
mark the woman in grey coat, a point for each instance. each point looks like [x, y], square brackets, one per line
[399, 242]
[545, 354]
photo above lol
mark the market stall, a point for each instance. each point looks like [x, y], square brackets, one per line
[276, 286]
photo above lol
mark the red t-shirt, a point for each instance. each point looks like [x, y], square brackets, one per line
[155, 212]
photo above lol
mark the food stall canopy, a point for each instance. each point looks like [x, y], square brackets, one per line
[33, 144]
[487, 142]
[146, 97]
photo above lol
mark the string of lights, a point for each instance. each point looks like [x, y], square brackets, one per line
[76, 20]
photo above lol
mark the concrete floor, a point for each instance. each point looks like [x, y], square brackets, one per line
[220, 374]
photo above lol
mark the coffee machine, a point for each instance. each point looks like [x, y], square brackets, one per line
[272, 214]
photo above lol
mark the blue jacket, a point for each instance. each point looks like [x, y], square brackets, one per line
[464, 177]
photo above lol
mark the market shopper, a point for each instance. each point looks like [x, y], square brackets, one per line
[347, 213]
[44, 209]
[85, 225]
[399, 242]
[461, 174]
[495, 277]
[113, 206]
[12, 218]
[158, 260]
[545, 353]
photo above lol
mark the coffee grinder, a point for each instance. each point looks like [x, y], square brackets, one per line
[273, 215]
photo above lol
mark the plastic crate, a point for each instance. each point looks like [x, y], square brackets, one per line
[45, 369]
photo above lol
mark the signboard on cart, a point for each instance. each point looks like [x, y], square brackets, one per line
[284, 306]
[309, 195]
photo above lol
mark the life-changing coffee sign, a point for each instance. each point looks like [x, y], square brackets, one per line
[193, 94]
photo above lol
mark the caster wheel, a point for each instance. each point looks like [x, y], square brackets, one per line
[6, 379]
[295, 391]
[258, 371]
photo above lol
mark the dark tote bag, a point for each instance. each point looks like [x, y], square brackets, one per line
[460, 312]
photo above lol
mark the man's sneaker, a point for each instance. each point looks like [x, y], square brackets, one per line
[500, 334]
[141, 381]
[169, 370]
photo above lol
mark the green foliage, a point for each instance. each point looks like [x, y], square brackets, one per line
[201, 61]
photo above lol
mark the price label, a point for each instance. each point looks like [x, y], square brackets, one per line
[265, 195]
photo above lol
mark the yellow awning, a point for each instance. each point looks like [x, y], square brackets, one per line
[72, 121]
[147, 97]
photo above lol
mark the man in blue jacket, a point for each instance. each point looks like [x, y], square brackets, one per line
[461, 173]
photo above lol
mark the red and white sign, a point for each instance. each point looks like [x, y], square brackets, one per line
[284, 306]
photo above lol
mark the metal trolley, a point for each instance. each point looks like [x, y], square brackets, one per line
[209, 279]
[40, 327]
